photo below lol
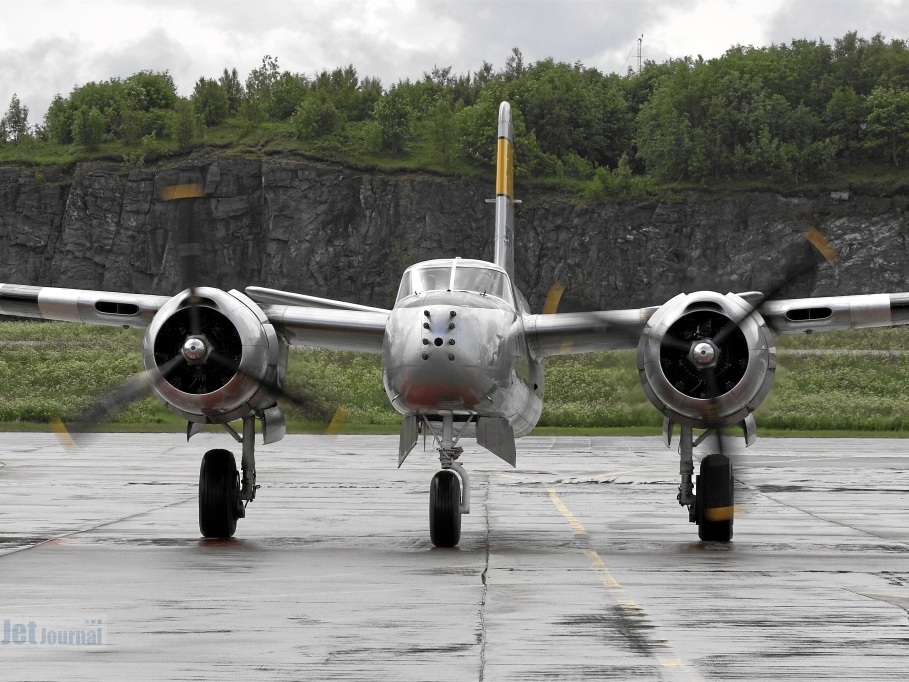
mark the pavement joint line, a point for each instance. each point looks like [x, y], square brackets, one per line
[609, 581]
[80, 531]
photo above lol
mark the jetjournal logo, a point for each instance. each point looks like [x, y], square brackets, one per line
[62, 631]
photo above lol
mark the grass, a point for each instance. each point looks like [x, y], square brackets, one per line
[58, 369]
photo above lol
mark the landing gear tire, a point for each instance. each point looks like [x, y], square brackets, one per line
[715, 499]
[445, 509]
[219, 489]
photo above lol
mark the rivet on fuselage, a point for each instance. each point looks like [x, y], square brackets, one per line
[451, 342]
[425, 342]
[426, 356]
[450, 356]
[426, 312]
[426, 325]
[453, 313]
[451, 325]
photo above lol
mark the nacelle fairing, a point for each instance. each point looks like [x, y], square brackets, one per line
[239, 369]
[706, 360]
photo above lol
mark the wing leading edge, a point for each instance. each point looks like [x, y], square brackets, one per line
[343, 326]
[569, 333]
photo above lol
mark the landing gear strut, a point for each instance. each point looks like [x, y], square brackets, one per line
[449, 497]
[222, 491]
[712, 505]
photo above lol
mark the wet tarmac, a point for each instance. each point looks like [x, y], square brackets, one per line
[577, 565]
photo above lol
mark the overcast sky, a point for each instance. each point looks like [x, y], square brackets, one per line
[52, 46]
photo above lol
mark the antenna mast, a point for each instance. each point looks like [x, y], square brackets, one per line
[640, 42]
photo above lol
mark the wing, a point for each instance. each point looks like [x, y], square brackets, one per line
[322, 322]
[809, 315]
[569, 333]
[342, 326]
[80, 305]
[354, 330]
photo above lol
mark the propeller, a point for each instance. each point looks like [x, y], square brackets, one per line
[715, 346]
[199, 353]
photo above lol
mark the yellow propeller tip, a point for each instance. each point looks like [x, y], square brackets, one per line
[59, 429]
[337, 422]
[181, 192]
[553, 298]
[819, 241]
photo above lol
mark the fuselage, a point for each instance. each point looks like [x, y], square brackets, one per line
[455, 342]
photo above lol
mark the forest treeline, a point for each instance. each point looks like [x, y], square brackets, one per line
[791, 113]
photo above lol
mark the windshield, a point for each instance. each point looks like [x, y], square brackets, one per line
[482, 280]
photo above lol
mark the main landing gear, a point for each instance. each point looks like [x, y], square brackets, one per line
[449, 490]
[712, 506]
[222, 491]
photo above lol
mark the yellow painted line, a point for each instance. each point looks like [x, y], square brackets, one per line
[671, 662]
[575, 524]
[607, 579]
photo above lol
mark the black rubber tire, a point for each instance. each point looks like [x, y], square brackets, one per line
[445, 509]
[715, 499]
[219, 487]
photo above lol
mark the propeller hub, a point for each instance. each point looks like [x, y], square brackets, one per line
[195, 350]
[703, 353]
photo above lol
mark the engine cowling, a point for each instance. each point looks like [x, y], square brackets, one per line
[231, 365]
[706, 359]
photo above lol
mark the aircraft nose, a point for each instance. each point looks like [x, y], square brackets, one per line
[440, 334]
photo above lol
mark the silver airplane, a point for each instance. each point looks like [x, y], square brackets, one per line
[462, 356]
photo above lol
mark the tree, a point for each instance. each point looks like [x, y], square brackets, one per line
[233, 90]
[259, 86]
[395, 120]
[287, 93]
[888, 121]
[317, 116]
[210, 101]
[88, 127]
[183, 124]
[14, 125]
[514, 64]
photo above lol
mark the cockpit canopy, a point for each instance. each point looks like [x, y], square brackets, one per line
[456, 275]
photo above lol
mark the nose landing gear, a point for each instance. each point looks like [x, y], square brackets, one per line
[449, 497]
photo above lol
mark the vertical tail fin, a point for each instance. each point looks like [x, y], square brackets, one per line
[504, 252]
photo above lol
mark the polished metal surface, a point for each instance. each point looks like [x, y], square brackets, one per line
[578, 565]
[731, 406]
[703, 353]
[195, 350]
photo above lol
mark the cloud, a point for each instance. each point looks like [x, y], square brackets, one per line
[51, 46]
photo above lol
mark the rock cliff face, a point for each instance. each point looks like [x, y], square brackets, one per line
[322, 229]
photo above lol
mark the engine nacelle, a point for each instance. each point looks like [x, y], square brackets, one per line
[706, 359]
[241, 369]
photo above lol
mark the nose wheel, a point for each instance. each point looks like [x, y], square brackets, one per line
[445, 509]
[449, 490]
